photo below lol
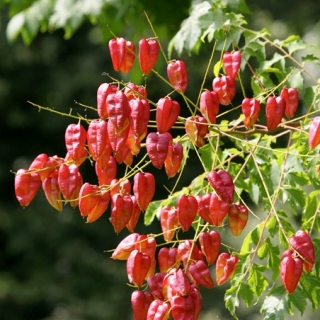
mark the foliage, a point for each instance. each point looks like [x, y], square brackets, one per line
[275, 173]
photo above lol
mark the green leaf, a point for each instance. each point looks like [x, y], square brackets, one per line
[252, 238]
[275, 305]
[267, 249]
[309, 96]
[257, 280]
[246, 293]
[311, 288]
[232, 300]
[294, 196]
[298, 299]
[217, 67]
[254, 192]
[14, 26]
[207, 156]
[296, 80]
[151, 211]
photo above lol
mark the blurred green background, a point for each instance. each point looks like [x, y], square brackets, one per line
[53, 266]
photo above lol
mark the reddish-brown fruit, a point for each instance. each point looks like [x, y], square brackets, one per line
[218, 210]
[187, 207]
[136, 211]
[204, 207]
[225, 267]
[140, 302]
[173, 159]
[167, 113]
[157, 147]
[209, 105]
[177, 75]
[148, 54]
[75, 139]
[210, 243]
[225, 87]
[103, 91]
[275, 109]
[105, 176]
[231, 63]
[144, 186]
[291, 97]
[168, 222]
[250, 109]
[26, 186]
[167, 259]
[122, 54]
[237, 217]
[88, 198]
[121, 211]
[52, 191]
[196, 128]
[200, 274]
[138, 265]
[314, 132]
[125, 247]
[222, 183]
[290, 271]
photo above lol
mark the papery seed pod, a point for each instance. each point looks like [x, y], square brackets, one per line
[182, 308]
[75, 139]
[97, 138]
[139, 116]
[136, 211]
[314, 132]
[52, 191]
[200, 273]
[138, 265]
[122, 54]
[231, 63]
[155, 284]
[188, 250]
[225, 87]
[275, 109]
[291, 97]
[177, 75]
[26, 186]
[133, 91]
[167, 259]
[140, 302]
[88, 198]
[178, 283]
[102, 93]
[148, 54]
[237, 217]
[218, 210]
[100, 207]
[69, 160]
[197, 128]
[204, 207]
[167, 113]
[301, 242]
[209, 105]
[168, 222]
[210, 243]
[121, 211]
[225, 267]
[38, 164]
[173, 159]
[158, 310]
[223, 185]
[144, 187]
[250, 109]
[125, 246]
[68, 178]
[290, 272]
[105, 176]
[157, 147]
[187, 207]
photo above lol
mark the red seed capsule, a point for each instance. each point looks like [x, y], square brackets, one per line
[177, 75]
[148, 54]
